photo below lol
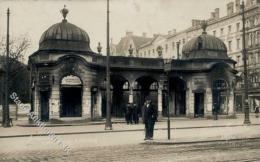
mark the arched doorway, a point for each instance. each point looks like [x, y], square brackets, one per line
[119, 96]
[71, 96]
[220, 96]
[145, 87]
[177, 96]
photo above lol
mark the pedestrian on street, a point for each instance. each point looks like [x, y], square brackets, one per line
[135, 114]
[150, 117]
[129, 114]
[215, 111]
[257, 112]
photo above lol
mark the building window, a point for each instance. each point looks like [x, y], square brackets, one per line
[149, 52]
[222, 31]
[230, 45]
[214, 32]
[153, 50]
[238, 27]
[166, 47]
[183, 41]
[229, 29]
[258, 58]
[238, 43]
[173, 45]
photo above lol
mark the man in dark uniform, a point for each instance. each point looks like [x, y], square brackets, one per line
[135, 114]
[129, 113]
[150, 117]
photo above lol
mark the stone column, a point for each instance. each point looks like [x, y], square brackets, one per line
[99, 104]
[86, 102]
[54, 102]
[208, 103]
[231, 107]
[160, 101]
[131, 94]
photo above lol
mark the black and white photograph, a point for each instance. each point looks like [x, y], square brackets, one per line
[129, 80]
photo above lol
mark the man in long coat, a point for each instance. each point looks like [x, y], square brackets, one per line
[150, 117]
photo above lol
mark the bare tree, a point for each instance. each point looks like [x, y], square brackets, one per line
[19, 75]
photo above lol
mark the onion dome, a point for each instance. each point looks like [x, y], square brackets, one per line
[204, 47]
[65, 36]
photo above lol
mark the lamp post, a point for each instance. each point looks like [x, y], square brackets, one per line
[168, 107]
[99, 48]
[108, 125]
[6, 119]
[245, 101]
[178, 50]
[130, 50]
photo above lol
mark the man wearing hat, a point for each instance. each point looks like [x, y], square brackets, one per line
[150, 117]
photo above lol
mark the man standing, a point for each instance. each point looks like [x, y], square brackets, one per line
[135, 114]
[150, 116]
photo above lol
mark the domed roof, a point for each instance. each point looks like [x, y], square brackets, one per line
[65, 36]
[205, 46]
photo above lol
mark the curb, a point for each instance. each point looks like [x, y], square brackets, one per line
[118, 131]
[171, 142]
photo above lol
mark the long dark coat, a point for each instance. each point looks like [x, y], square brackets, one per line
[150, 114]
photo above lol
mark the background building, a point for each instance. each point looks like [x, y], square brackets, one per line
[229, 30]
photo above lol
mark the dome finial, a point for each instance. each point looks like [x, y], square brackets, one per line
[64, 12]
[204, 26]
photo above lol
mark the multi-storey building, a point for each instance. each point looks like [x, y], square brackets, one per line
[229, 30]
[129, 41]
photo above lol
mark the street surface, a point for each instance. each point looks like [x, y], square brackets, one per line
[125, 143]
[244, 151]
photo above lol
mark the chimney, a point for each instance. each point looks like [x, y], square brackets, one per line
[237, 5]
[129, 33]
[174, 31]
[230, 8]
[155, 35]
[217, 13]
[144, 34]
[212, 15]
[169, 32]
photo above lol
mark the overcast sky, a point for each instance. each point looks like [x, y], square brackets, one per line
[32, 17]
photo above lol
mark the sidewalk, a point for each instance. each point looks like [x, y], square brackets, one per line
[182, 124]
[185, 131]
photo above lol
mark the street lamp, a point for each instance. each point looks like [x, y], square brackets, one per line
[178, 50]
[99, 48]
[168, 106]
[245, 101]
[108, 125]
[130, 50]
[6, 119]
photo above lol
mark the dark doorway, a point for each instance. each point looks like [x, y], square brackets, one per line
[93, 103]
[71, 102]
[199, 105]
[177, 96]
[44, 101]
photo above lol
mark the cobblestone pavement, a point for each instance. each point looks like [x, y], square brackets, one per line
[245, 150]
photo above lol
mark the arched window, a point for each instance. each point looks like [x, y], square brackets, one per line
[137, 86]
[154, 86]
[126, 86]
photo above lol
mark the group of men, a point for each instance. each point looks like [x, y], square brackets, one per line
[132, 114]
[149, 116]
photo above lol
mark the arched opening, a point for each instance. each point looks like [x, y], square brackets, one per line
[177, 96]
[145, 87]
[119, 96]
[220, 96]
[71, 96]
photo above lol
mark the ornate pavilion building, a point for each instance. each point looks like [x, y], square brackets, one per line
[68, 78]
